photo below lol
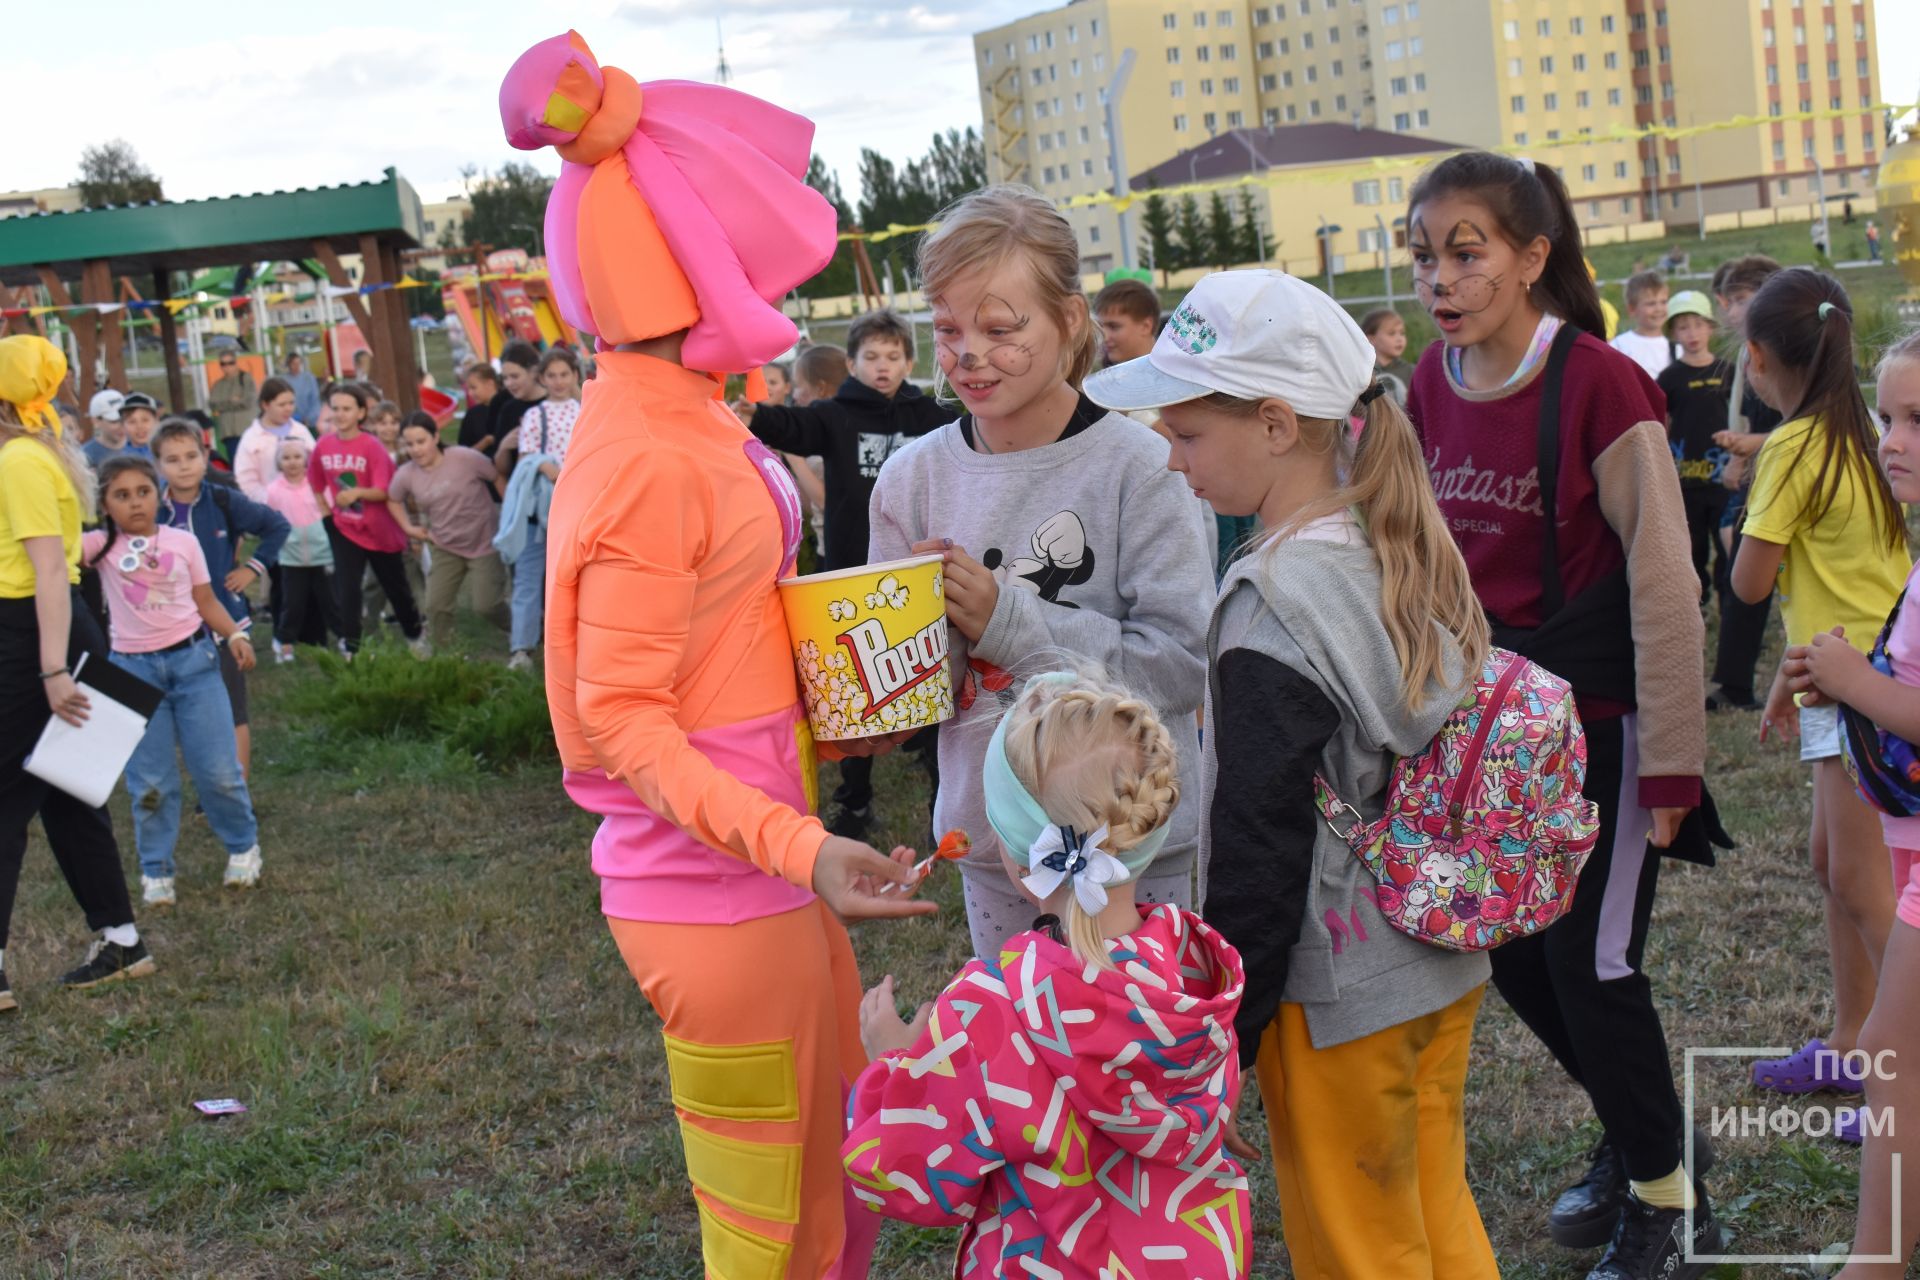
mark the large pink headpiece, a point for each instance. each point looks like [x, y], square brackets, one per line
[693, 213]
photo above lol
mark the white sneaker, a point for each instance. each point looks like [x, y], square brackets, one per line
[243, 869]
[156, 891]
[520, 661]
[421, 646]
[282, 653]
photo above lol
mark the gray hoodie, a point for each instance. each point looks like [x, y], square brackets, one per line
[1099, 552]
[1303, 677]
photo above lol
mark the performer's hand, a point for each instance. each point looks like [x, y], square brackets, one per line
[881, 1028]
[847, 876]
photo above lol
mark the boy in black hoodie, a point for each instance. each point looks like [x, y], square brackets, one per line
[875, 412]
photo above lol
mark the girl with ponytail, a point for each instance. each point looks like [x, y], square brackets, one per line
[1549, 458]
[1106, 1031]
[1342, 640]
[1823, 527]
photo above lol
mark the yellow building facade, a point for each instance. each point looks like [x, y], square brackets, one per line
[1469, 72]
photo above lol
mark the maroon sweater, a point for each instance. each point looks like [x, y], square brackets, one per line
[1618, 502]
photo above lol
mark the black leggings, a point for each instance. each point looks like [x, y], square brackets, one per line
[1578, 984]
[306, 595]
[81, 836]
[350, 563]
[1743, 634]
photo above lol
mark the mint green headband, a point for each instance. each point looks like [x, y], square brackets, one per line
[1030, 836]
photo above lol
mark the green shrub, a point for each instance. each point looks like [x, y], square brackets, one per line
[475, 709]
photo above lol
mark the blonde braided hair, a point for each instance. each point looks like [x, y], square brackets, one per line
[1094, 755]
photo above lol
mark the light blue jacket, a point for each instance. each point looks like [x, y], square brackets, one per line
[524, 508]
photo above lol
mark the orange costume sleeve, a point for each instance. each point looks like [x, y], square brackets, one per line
[665, 646]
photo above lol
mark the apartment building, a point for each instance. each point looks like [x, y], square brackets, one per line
[1482, 72]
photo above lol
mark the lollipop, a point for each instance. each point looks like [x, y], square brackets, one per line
[953, 846]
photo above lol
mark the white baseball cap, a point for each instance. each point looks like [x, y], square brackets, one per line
[105, 405]
[1249, 334]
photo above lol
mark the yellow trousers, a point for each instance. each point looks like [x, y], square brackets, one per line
[1370, 1149]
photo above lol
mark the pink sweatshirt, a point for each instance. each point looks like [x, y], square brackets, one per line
[1069, 1118]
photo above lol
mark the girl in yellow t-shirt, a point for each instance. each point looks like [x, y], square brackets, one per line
[1824, 530]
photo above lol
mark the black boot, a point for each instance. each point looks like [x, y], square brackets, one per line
[1586, 1213]
[1652, 1243]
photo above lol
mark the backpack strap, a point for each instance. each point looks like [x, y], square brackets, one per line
[1553, 592]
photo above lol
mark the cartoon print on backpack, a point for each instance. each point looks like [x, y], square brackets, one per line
[1061, 558]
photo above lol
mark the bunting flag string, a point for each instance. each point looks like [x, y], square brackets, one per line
[1345, 171]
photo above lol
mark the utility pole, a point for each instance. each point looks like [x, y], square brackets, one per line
[1117, 149]
[722, 74]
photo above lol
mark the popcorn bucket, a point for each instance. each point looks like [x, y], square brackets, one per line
[871, 647]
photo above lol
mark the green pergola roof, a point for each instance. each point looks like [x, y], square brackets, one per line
[194, 235]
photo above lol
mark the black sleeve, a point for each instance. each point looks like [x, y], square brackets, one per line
[1271, 725]
[807, 431]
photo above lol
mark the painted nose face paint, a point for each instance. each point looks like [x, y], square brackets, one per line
[1467, 295]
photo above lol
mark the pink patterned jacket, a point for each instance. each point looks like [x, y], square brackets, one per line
[1070, 1118]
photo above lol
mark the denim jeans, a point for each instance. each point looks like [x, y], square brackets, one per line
[196, 719]
[529, 591]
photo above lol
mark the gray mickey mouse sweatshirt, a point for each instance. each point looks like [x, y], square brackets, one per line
[1099, 550]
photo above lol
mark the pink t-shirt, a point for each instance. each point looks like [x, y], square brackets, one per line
[1903, 656]
[149, 592]
[359, 463]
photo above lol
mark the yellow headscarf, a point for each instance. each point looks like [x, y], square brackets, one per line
[31, 370]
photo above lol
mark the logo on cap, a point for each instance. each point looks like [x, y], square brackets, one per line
[1191, 329]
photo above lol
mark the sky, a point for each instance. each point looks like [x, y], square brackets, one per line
[220, 99]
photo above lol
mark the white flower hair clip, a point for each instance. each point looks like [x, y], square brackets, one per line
[1062, 854]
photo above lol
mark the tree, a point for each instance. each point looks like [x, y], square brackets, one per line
[1223, 238]
[111, 173]
[911, 195]
[1190, 235]
[836, 279]
[509, 209]
[1156, 221]
[1253, 239]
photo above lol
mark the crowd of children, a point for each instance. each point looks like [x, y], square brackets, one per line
[1587, 503]
[1260, 519]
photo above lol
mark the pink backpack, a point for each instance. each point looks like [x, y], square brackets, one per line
[1485, 831]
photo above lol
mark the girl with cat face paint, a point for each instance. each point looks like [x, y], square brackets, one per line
[1548, 453]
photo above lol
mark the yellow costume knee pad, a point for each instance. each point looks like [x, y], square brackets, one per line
[747, 1082]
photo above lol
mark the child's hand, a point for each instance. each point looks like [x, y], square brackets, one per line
[881, 1029]
[1742, 444]
[1834, 667]
[971, 591]
[1781, 717]
[1238, 1147]
[241, 578]
[242, 650]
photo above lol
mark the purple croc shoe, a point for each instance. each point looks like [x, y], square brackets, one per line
[1815, 1069]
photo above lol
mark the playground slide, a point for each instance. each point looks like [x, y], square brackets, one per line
[511, 312]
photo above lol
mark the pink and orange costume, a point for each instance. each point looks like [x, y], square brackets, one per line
[682, 207]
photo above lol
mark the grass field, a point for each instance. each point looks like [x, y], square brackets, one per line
[449, 1073]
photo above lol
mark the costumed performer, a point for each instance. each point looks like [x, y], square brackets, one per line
[679, 219]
